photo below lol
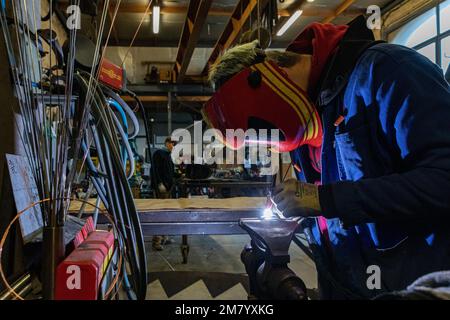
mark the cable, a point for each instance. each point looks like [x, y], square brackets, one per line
[126, 108]
[147, 134]
[119, 193]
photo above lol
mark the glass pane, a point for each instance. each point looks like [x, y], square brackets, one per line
[416, 31]
[445, 16]
[445, 53]
[429, 52]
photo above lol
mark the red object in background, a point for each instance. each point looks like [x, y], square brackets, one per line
[111, 75]
[87, 229]
[79, 276]
[104, 238]
[90, 225]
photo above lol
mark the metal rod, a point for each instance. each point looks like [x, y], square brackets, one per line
[16, 286]
[53, 254]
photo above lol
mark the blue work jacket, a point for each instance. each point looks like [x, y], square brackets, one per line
[385, 172]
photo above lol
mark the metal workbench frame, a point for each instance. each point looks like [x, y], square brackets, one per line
[195, 221]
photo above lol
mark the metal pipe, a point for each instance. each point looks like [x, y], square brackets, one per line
[54, 249]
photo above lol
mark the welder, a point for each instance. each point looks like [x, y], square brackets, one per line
[367, 125]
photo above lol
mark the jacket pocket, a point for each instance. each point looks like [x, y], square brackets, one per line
[357, 156]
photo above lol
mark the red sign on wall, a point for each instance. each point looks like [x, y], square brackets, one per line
[111, 75]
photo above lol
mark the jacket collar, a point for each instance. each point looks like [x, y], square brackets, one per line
[336, 75]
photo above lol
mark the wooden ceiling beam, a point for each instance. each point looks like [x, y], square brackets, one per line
[339, 10]
[225, 12]
[238, 18]
[196, 16]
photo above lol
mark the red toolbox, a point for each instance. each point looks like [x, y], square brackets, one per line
[78, 277]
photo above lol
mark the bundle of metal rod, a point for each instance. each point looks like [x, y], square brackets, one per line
[57, 136]
[22, 286]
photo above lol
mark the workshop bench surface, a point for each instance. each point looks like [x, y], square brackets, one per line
[193, 216]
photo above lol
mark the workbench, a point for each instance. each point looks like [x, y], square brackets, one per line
[191, 216]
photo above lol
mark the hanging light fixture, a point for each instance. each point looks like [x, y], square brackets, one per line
[289, 22]
[156, 17]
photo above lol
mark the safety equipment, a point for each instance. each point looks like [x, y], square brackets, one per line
[263, 97]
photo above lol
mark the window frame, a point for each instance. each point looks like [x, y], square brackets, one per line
[436, 39]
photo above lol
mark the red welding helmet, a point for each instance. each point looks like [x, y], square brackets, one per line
[263, 97]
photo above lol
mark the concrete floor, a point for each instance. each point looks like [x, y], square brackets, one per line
[214, 254]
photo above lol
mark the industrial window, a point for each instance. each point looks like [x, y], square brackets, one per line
[429, 34]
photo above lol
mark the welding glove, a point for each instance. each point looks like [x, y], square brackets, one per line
[297, 199]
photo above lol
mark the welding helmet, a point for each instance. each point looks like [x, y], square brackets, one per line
[263, 97]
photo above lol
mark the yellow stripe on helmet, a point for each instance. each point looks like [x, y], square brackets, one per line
[292, 96]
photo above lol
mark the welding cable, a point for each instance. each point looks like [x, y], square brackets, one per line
[147, 133]
[127, 286]
[126, 150]
[123, 196]
[126, 108]
[123, 216]
[127, 146]
[120, 203]
[95, 175]
[119, 109]
[123, 135]
[118, 218]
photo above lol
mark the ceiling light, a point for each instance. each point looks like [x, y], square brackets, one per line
[289, 22]
[156, 18]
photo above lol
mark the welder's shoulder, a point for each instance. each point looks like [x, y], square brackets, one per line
[391, 56]
[391, 61]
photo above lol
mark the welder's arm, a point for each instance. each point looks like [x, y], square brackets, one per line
[414, 103]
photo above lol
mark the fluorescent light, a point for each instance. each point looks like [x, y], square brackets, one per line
[289, 23]
[156, 18]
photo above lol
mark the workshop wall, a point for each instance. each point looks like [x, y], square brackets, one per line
[56, 26]
[162, 58]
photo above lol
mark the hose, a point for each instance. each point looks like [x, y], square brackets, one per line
[147, 135]
[118, 108]
[125, 108]
[105, 126]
